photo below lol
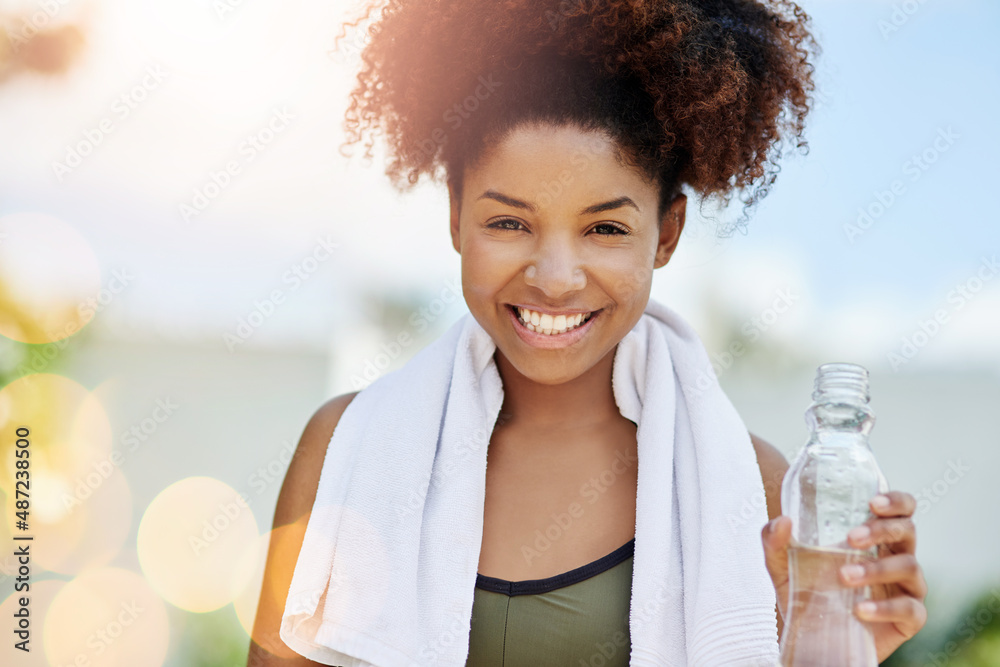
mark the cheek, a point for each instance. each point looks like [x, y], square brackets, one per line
[484, 272]
[631, 279]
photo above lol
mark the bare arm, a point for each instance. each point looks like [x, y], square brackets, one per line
[772, 471]
[295, 501]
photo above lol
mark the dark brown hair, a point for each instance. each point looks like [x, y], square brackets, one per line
[695, 92]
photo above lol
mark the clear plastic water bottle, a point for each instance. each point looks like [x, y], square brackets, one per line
[826, 492]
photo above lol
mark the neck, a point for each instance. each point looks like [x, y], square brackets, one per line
[583, 402]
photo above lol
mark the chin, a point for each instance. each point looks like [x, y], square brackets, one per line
[549, 372]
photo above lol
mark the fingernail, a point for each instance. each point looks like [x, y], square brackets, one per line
[770, 526]
[859, 534]
[880, 501]
[852, 572]
[866, 608]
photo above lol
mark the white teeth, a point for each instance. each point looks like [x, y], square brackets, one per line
[547, 324]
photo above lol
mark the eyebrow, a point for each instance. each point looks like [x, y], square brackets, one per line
[596, 208]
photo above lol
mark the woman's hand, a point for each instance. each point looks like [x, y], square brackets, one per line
[896, 579]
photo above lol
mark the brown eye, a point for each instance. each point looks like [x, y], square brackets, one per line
[498, 224]
[617, 229]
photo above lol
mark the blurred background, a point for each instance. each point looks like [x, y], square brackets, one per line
[189, 268]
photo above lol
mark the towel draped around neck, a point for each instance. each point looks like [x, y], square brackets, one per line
[387, 569]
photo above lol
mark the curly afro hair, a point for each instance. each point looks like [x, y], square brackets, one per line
[695, 92]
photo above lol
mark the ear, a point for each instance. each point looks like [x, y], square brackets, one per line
[670, 230]
[455, 206]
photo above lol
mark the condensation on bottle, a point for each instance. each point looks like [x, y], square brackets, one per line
[825, 493]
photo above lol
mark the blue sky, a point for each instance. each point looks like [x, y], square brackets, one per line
[883, 98]
[886, 97]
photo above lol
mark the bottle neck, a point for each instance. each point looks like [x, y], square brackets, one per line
[840, 403]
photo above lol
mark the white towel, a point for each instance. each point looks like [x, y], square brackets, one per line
[387, 570]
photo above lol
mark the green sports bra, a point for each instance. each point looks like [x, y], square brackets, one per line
[578, 618]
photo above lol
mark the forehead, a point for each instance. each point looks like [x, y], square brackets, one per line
[535, 160]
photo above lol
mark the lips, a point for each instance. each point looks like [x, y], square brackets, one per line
[551, 341]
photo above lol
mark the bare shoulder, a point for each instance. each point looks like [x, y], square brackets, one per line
[773, 466]
[298, 492]
[295, 502]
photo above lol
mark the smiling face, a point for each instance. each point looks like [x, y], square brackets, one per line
[549, 220]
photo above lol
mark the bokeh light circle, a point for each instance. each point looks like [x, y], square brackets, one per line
[193, 544]
[282, 544]
[70, 430]
[50, 279]
[81, 505]
[94, 520]
[245, 603]
[344, 596]
[107, 617]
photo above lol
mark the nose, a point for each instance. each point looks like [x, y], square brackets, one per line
[555, 270]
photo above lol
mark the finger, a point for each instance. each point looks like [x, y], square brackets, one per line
[776, 535]
[898, 533]
[893, 503]
[908, 614]
[901, 570]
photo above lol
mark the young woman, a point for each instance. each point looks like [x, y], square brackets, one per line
[565, 131]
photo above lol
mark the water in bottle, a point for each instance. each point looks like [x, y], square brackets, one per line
[826, 492]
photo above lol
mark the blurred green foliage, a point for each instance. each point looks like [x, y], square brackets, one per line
[212, 639]
[971, 640]
[18, 359]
